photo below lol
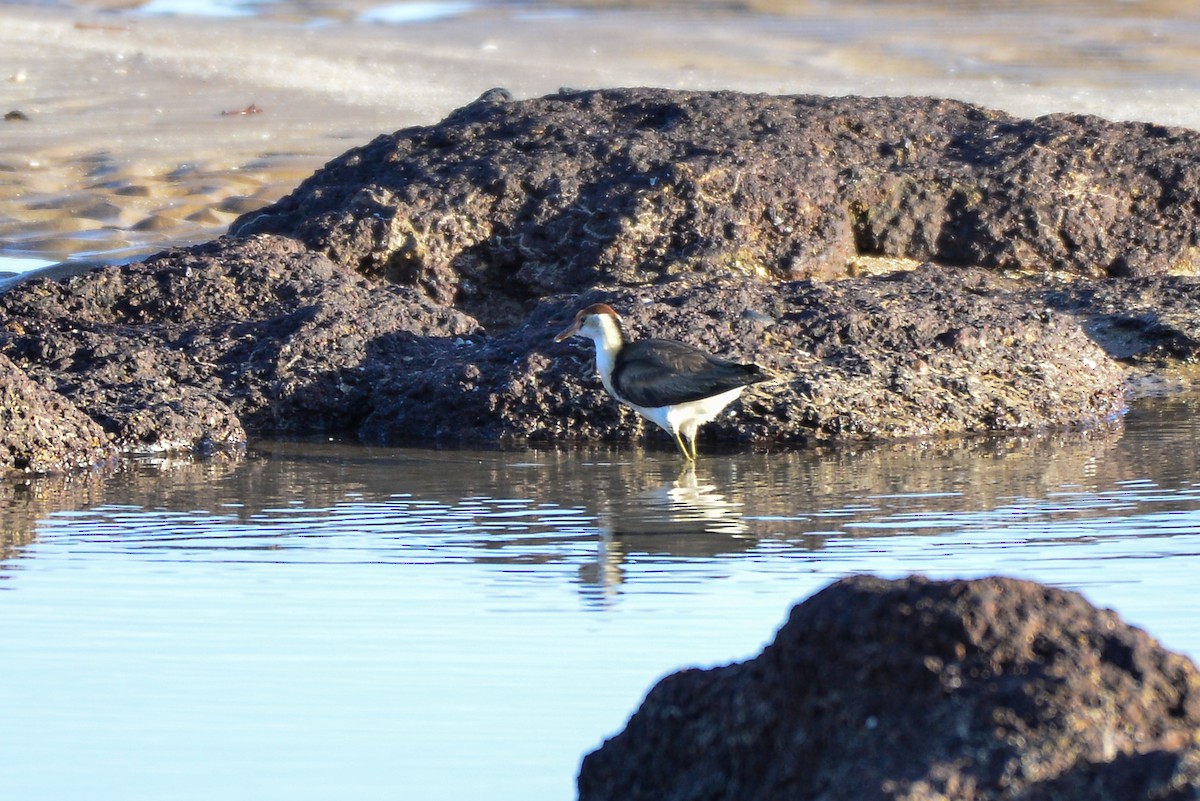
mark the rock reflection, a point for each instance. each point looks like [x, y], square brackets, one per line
[596, 512]
[24, 501]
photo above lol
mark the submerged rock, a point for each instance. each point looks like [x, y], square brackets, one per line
[410, 289]
[914, 689]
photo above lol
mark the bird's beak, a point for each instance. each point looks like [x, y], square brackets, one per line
[568, 332]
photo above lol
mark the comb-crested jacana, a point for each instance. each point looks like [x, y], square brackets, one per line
[672, 384]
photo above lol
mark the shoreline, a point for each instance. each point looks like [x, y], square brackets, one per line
[136, 138]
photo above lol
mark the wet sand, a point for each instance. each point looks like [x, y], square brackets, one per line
[135, 132]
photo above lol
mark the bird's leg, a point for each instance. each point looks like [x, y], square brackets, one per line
[689, 438]
[683, 447]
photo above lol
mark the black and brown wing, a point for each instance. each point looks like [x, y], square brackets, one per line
[661, 372]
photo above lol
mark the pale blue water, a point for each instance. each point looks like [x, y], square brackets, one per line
[203, 8]
[403, 13]
[332, 621]
[12, 265]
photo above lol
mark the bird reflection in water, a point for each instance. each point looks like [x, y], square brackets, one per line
[687, 516]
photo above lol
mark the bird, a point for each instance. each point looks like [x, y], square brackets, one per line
[674, 385]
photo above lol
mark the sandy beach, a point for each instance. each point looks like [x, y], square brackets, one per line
[128, 131]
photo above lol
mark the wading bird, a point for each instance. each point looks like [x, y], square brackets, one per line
[672, 384]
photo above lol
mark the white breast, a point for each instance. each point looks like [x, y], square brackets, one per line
[686, 417]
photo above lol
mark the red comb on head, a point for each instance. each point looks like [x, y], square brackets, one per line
[598, 308]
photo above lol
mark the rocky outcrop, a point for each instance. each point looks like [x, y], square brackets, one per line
[41, 431]
[523, 200]
[410, 289]
[194, 348]
[202, 348]
[916, 689]
[915, 354]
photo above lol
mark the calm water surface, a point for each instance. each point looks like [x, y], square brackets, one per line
[331, 621]
[327, 621]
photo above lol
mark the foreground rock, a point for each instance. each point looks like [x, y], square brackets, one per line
[912, 689]
[410, 290]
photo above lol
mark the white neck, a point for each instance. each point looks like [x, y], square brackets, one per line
[608, 341]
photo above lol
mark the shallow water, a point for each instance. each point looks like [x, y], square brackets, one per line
[325, 620]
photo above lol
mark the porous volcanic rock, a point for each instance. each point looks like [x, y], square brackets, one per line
[526, 199]
[410, 289]
[923, 353]
[41, 431]
[193, 348]
[915, 689]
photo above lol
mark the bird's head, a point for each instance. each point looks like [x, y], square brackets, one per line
[597, 322]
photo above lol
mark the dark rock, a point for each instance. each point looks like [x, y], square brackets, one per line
[410, 289]
[197, 347]
[526, 199]
[43, 432]
[880, 357]
[914, 689]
